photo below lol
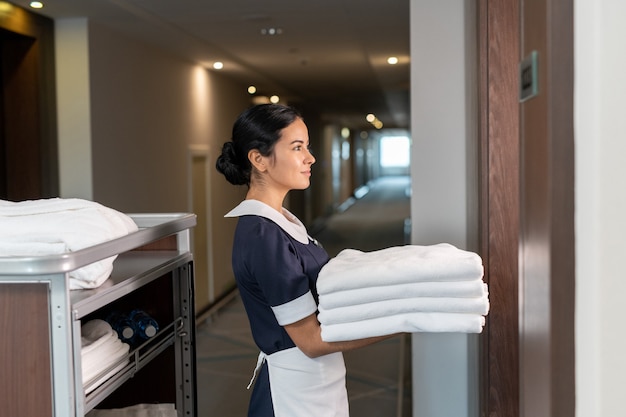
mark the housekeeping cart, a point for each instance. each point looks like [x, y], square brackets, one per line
[41, 364]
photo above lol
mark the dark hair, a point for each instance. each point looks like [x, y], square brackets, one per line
[257, 128]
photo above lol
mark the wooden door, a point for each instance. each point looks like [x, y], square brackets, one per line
[527, 209]
[547, 250]
[498, 37]
[28, 149]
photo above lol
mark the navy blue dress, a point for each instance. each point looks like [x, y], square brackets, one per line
[274, 272]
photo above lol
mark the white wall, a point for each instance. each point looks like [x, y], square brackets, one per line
[600, 140]
[444, 365]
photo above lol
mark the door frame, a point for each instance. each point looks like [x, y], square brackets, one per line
[498, 108]
[527, 210]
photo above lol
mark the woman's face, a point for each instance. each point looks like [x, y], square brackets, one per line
[289, 167]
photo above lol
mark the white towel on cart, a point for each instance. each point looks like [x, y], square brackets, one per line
[102, 353]
[55, 226]
[139, 410]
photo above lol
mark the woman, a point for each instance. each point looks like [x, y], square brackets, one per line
[276, 265]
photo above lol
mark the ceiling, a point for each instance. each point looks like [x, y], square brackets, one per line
[330, 55]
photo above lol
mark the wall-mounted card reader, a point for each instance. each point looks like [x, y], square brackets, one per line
[528, 79]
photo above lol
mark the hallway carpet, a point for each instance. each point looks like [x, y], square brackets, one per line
[378, 376]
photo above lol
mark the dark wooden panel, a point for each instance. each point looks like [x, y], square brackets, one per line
[547, 250]
[25, 385]
[21, 136]
[563, 268]
[28, 133]
[499, 124]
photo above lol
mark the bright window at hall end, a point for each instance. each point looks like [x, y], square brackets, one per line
[395, 151]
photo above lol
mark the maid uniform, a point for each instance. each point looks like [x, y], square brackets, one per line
[276, 264]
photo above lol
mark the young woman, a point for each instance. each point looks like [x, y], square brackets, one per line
[276, 265]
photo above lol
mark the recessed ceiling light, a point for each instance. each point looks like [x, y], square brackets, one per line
[36, 4]
[271, 31]
[374, 121]
[218, 65]
[392, 60]
[251, 89]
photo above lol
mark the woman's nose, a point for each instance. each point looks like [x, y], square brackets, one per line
[310, 158]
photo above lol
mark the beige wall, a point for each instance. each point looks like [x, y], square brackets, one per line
[73, 108]
[148, 108]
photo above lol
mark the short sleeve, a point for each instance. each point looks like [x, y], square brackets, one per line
[275, 264]
[295, 310]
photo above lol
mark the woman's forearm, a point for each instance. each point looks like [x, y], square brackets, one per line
[307, 335]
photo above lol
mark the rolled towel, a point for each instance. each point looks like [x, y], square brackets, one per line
[352, 269]
[55, 226]
[114, 357]
[139, 410]
[94, 332]
[101, 350]
[458, 289]
[99, 380]
[404, 323]
[387, 308]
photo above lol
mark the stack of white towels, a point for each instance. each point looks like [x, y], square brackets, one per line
[401, 289]
[103, 354]
[54, 226]
[138, 410]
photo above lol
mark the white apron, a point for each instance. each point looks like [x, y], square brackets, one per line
[304, 387]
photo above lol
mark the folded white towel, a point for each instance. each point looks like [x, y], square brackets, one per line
[99, 380]
[103, 365]
[460, 289]
[139, 410]
[110, 348]
[387, 308]
[404, 323]
[352, 269]
[54, 226]
[102, 352]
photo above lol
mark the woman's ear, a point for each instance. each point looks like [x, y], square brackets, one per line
[257, 160]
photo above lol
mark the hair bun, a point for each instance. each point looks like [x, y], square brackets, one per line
[228, 152]
[228, 163]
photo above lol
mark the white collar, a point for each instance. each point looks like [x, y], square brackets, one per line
[287, 221]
